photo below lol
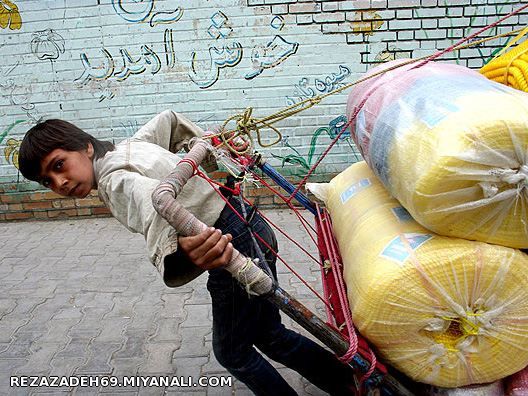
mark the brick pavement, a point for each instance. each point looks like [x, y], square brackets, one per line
[79, 297]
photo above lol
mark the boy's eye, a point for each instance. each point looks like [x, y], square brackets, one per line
[58, 165]
[45, 182]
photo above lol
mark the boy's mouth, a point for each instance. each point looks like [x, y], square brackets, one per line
[73, 190]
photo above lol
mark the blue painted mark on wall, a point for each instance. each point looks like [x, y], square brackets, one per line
[137, 11]
[166, 17]
[142, 10]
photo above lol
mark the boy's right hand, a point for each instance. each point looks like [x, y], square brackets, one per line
[209, 249]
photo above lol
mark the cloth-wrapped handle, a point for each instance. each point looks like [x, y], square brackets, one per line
[184, 222]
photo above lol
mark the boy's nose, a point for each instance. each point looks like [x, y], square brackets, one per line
[62, 184]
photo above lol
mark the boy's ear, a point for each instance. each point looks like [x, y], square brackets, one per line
[90, 150]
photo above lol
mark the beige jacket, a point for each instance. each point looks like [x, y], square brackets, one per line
[127, 176]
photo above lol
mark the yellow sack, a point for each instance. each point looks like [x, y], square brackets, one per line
[451, 146]
[510, 68]
[444, 311]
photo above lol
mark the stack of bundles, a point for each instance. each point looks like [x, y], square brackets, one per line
[451, 146]
[511, 68]
[444, 311]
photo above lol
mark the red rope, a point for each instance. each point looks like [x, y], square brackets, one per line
[290, 205]
[287, 236]
[336, 268]
[189, 162]
[303, 221]
[212, 184]
[332, 252]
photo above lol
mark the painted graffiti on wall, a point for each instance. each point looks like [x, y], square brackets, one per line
[128, 128]
[133, 12]
[100, 72]
[302, 163]
[391, 53]
[9, 15]
[170, 54]
[18, 95]
[143, 10]
[12, 145]
[47, 44]
[273, 53]
[148, 59]
[366, 22]
[166, 17]
[103, 72]
[204, 73]
[303, 90]
[266, 57]
[11, 151]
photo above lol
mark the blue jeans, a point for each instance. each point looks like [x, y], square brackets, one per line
[241, 323]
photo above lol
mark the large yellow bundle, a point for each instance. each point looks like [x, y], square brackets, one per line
[451, 146]
[510, 68]
[444, 311]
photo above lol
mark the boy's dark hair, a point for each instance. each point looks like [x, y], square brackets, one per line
[53, 134]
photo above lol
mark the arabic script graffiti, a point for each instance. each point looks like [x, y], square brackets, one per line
[321, 85]
[141, 10]
[275, 52]
[205, 73]
[106, 69]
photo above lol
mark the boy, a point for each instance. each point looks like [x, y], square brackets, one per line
[71, 162]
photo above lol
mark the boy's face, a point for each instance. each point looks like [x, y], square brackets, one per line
[69, 173]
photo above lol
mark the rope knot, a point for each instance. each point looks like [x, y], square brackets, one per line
[245, 122]
[515, 177]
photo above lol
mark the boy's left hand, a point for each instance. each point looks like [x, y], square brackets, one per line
[209, 249]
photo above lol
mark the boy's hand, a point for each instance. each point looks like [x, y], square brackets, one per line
[209, 249]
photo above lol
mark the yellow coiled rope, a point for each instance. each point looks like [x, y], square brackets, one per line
[510, 68]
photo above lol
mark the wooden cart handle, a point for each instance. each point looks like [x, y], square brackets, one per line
[184, 222]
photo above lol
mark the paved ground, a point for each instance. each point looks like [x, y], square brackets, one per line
[79, 297]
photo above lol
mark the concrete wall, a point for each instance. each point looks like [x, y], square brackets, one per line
[110, 65]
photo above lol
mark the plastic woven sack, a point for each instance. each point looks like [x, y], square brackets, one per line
[444, 311]
[451, 146]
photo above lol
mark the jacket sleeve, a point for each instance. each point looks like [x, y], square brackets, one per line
[169, 130]
[132, 206]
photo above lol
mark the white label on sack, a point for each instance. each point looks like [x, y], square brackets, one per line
[354, 189]
[398, 251]
[434, 115]
[401, 214]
